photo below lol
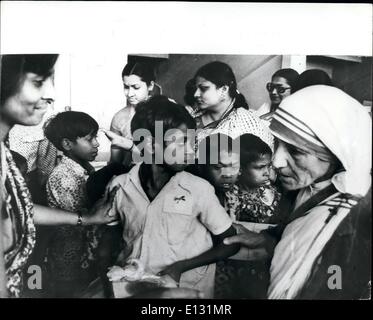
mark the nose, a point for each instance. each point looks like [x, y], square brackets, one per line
[280, 157]
[95, 143]
[227, 172]
[197, 93]
[48, 92]
[130, 92]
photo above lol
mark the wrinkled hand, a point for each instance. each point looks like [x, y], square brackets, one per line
[101, 211]
[245, 237]
[174, 271]
[117, 140]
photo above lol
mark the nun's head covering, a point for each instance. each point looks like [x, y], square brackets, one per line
[325, 120]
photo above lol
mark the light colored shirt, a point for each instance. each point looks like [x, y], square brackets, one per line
[238, 122]
[175, 226]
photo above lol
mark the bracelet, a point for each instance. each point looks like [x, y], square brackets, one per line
[80, 219]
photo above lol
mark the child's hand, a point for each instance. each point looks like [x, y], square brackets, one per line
[117, 140]
[174, 271]
[101, 211]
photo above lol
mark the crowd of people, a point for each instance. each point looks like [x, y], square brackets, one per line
[227, 202]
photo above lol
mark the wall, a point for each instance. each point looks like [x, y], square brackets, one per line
[252, 73]
[91, 83]
[353, 77]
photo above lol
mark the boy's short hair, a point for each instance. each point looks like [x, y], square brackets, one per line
[252, 148]
[69, 125]
[160, 108]
[211, 146]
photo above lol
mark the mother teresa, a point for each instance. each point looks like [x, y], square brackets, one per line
[323, 153]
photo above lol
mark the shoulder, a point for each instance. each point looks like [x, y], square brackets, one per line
[196, 185]
[119, 181]
[122, 116]
[242, 113]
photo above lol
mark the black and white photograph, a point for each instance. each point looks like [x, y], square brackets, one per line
[185, 150]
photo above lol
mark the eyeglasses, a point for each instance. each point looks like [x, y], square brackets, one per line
[270, 87]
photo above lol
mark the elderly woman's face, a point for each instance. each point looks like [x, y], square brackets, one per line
[29, 104]
[296, 167]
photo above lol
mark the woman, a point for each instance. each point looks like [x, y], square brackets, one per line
[26, 93]
[281, 86]
[221, 108]
[324, 152]
[138, 81]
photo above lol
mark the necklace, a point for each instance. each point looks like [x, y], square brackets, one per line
[215, 123]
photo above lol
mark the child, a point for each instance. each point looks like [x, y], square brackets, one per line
[219, 162]
[70, 253]
[168, 214]
[249, 198]
[253, 198]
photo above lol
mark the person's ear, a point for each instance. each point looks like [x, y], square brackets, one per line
[224, 90]
[66, 144]
[151, 86]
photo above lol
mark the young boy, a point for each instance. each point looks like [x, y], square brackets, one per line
[70, 252]
[168, 214]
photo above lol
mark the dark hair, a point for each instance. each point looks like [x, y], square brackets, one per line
[211, 146]
[289, 74]
[252, 148]
[160, 108]
[221, 74]
[190, 89]
[144, 70]
[15, 66]
[312, 77]
[69, 125]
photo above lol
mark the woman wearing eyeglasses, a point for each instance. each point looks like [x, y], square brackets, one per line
[281, 86]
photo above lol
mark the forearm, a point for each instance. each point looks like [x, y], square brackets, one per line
[117, 155]
[53, 216]
[219, 252]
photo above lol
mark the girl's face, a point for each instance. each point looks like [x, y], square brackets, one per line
[256, 173]
[207, 94]
[225, 173]
[29, 104]
[280, 89]
[135, 89]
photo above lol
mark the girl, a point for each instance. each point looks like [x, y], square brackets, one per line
[138, 81]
